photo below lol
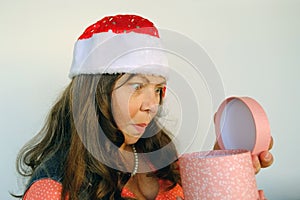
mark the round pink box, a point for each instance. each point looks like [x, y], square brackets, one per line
[241, 123]
[218, 175]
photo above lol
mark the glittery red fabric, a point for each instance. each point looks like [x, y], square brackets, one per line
[121, 24]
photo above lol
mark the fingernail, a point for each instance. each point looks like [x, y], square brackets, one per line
[267, 156]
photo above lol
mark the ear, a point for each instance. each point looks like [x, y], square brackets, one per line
[163, 92]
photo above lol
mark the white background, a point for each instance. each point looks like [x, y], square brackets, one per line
[254, 44]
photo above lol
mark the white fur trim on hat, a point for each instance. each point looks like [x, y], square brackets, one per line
[108, 52]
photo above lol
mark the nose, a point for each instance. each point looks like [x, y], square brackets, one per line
[150, 101]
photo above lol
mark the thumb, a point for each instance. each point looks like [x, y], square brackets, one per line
[261, 195]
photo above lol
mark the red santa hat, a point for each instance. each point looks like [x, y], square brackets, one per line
[120, 44]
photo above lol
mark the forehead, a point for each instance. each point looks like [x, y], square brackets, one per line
[142, 78]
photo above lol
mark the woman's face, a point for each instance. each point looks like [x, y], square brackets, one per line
[135, 102]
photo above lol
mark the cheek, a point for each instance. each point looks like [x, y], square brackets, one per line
[118, 108]
[124, 107]
[133, 107]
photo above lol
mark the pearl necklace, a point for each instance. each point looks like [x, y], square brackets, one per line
[136, 161]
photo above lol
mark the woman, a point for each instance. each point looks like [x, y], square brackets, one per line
[102, 138]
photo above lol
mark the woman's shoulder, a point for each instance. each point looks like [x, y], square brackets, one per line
[45, 182]
[44, 189]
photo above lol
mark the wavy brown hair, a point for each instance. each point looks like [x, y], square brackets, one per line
[71, 136]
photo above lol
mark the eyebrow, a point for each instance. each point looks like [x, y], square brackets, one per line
[146, 79]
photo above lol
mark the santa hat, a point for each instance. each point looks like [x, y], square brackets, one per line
[120, 44]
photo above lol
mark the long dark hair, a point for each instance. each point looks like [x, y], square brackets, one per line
[84, 176]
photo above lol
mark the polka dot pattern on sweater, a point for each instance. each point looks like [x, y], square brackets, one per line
[162, 195]
[48, 189]
[44, 189]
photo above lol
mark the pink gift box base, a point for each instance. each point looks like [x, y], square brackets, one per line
[221, 174]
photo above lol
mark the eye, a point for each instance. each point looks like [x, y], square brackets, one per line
[137, 86]
[158, 90]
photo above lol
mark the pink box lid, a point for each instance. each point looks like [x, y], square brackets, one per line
[241, 123]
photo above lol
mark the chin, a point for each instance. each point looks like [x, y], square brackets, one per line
[132, 141]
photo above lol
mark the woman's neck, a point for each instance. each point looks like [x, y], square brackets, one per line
[125, 147]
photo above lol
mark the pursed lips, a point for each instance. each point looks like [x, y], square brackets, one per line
[140, 127]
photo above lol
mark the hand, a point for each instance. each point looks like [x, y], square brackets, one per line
[261, 195]
[263, 160]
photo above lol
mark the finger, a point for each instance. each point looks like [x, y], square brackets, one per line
[266, 159]
[261, 195]
[271, 143]
[256, 163]
[216, 146]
